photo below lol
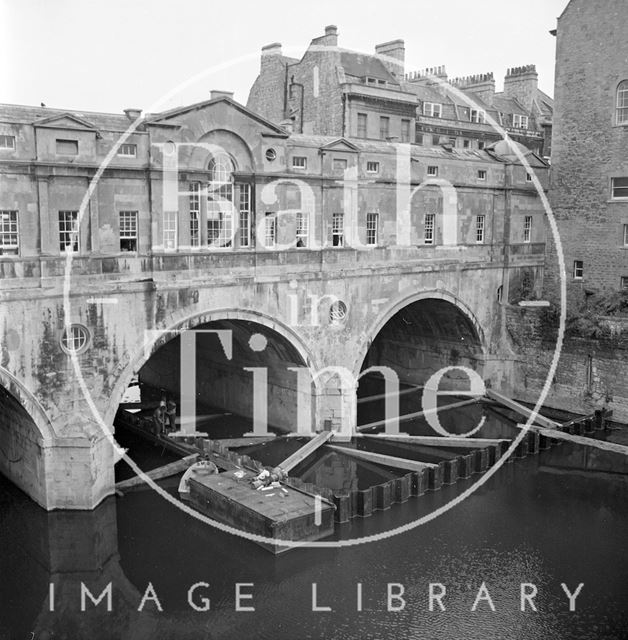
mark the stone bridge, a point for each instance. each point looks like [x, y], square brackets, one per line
[402, 311]
[87, 304]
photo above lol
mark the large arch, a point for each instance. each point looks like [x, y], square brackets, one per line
[174, 325]
[419, 335]
[401, 302]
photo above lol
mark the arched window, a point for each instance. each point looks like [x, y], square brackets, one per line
[220, 169]
[622, 102]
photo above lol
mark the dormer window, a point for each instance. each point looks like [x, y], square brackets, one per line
[7, 142]
[432, 109]
[478, 116]
[127, 150]
[519, 121]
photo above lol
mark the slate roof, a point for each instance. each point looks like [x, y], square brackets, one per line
[364, 65]
[23, 114]
[377, 146]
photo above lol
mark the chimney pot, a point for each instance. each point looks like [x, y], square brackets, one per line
[331, 30]
[132, 114]
[216, 93]
[272, 49]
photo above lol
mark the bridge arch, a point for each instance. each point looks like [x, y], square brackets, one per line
[26, 438]
[29, 403]
[175, 324]
[417, 335]
[403, 301]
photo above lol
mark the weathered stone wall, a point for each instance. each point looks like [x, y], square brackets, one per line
[592, 372]
[21, 446]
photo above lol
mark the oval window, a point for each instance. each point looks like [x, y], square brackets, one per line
[75, 338]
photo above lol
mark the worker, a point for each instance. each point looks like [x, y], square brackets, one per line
[171, 410]
[159, 419]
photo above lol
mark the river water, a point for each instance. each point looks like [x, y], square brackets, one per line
[547, 520]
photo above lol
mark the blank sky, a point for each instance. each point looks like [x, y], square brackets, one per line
[106, 55]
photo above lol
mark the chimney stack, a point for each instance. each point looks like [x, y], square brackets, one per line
[393, 57]
[270, 53]
[522, 83]
[330, 39]
[481, 84]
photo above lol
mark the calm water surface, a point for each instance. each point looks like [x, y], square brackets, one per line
[545, 520]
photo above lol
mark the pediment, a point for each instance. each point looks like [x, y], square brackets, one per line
[341, 144]
[178, 115]
[65, 121]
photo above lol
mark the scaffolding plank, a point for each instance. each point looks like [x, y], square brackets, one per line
[306, 450]
[519, 408]
[379, 458]
[437, 441]
[420, 414]
[583, 440]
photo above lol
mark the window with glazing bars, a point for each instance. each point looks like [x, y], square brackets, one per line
[128, 230]
[9, 239]
[219, 213]
[270, 231]
[68, 232]
[127, 149]
[195, 213]
[7, 142]
[622, 103]
[338, 230]
[303, 224]
[170, 230]
[372, 228]
[219, 229]
[527, 228]
[479, 229]
[244, 229]
[428, 228]
[619, 187]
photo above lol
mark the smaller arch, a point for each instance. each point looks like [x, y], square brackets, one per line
[30, 404]
[221, 168]
[232, 145]
[399, 304]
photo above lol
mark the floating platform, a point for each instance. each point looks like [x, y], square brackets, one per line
[280, 513]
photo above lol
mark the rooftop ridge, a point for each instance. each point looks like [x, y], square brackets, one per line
[469, 81]
[426, 73]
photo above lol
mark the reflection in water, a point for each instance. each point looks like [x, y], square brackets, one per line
[535, 521]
